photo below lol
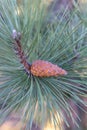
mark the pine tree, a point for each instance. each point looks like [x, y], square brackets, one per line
[43, 64]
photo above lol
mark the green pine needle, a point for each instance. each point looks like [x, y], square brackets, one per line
[62, 41]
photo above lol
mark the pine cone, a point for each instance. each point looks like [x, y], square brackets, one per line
[43, 68]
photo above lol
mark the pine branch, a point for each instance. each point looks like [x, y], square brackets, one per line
[60, 42]
[18, 48]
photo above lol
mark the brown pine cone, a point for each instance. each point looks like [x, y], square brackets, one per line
[43, 68]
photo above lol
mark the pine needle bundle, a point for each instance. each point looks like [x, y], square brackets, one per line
[42, 64]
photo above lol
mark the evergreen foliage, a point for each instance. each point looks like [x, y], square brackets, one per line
[62, 42]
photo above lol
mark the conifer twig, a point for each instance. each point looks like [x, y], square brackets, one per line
[20, 53]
